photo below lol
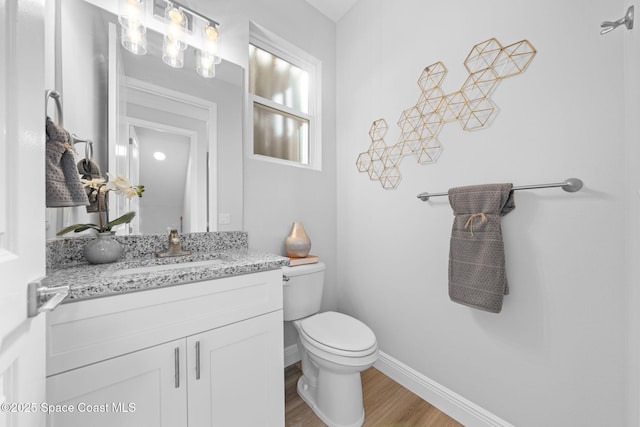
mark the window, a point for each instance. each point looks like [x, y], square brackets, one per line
[283, 90]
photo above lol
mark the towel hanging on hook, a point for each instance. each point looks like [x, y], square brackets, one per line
[626, 20]
[87, 166]
[63, 186]
[89, 170]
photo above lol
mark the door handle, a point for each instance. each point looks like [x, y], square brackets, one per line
[44, 298]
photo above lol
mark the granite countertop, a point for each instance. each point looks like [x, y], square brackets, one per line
[88, 281]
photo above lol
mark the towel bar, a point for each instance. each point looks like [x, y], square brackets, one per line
[75, 139]
[570, 185]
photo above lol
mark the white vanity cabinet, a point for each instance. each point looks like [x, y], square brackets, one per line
[201, 354]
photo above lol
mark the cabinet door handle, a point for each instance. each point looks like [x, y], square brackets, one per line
[176, 356]
[197, 360]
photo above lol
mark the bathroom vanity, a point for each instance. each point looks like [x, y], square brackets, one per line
[177, 342]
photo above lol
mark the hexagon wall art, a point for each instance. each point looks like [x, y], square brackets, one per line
[487, 64]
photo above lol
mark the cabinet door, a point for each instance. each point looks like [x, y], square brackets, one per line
[139, 389]
[239, 380]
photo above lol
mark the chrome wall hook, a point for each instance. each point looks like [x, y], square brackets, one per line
[626, 20]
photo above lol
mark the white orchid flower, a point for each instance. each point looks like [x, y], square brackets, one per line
[120, 184]
[130, 193]
[95, 183]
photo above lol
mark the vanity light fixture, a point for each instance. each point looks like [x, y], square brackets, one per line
[181, 26]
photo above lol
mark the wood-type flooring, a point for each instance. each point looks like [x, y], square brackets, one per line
[386, 404]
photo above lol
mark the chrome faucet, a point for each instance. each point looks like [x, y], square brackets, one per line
[174, 248]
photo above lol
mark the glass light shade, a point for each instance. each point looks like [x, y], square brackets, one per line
[205, 64]
[211, 42]
[176, 26]
[172, 53]
[133, 33]
[131, 13]
[134, 39]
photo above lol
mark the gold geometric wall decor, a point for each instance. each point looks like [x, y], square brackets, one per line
[487, 64]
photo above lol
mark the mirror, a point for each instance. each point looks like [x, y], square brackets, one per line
[151, 147]
[133, 106]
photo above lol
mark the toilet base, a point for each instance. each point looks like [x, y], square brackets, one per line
[309, 394]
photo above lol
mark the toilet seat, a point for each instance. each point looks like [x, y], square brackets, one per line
[338, 334]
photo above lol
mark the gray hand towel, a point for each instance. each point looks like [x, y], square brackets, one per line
[90, 170]
[62, 180]
[477, 275]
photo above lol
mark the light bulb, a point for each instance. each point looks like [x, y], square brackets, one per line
[130, 13]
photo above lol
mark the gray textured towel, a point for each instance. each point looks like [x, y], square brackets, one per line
[63, 182]
[477, 275]
[90, 170]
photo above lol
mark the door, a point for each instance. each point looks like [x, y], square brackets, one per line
[235, 374]
[146, 388]
[22, 209]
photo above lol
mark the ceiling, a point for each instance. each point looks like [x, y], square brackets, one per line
[334, 9]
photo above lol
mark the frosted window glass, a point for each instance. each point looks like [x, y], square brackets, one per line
[278, 80]
[276, 134]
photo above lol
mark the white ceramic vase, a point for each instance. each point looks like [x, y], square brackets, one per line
[103, 249]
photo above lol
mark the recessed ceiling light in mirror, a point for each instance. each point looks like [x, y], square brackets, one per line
[158, 155]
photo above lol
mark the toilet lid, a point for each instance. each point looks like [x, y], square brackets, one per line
[339, 331]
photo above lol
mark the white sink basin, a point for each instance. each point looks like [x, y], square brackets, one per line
[165, 267]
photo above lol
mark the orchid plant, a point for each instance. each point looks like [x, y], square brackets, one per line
[99, 190]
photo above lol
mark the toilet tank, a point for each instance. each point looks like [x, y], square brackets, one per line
[302, 290]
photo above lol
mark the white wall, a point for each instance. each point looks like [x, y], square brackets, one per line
[557, 354]
[632, 225]
[276, 195]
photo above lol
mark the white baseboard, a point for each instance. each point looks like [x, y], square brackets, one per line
[449, 402]
[291, 355]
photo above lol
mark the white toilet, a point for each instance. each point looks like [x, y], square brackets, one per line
[334, 349]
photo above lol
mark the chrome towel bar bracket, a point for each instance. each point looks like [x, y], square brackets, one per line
[570, 185]
[626, 20]
[55, 95]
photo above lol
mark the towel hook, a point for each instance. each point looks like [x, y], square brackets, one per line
[88, 150]
[56, 97]
[626, 20]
